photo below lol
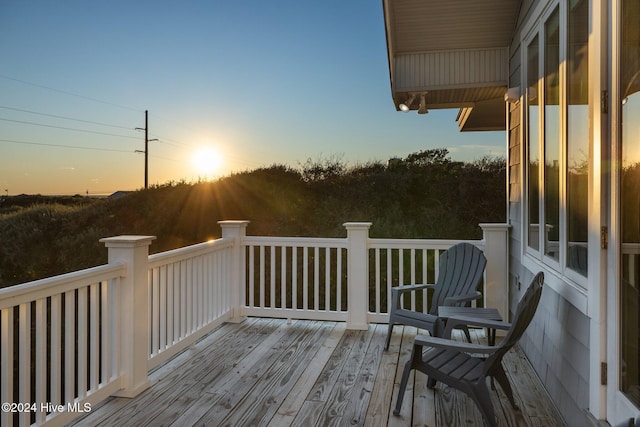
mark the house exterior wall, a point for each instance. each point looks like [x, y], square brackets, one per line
[564, 77]
[557, 343]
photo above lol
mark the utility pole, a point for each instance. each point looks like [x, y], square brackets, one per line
[146, 148]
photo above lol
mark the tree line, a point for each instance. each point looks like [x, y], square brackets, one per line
[423, 195]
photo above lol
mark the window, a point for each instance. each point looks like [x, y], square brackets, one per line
[577, 135]
[533, 132]
[629, 338]
[557, 139]
[552, 135]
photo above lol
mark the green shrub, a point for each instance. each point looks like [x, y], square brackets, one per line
[425, 195]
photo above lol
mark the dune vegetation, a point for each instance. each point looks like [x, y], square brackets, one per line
[425, 195]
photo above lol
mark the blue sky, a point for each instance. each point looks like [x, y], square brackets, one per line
[256, 82]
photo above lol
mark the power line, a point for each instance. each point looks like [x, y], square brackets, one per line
[172, 142]
[78, 130]
[163, 158]
[69, 93]
[63, 117]
[180, 143]
[164, 119]
[77, 147]
[182, 125]
[66, 128]
[161, 139]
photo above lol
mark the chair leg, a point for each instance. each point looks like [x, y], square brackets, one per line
[467, 334]
[403, 386]
[438, 331]
[482, 397]
[491, 336]
[386, 346]
[416, 356]
[501, 376]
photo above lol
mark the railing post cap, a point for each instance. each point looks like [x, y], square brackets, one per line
[233, 223]
[356, 225]
[127, 241]
[495, 226]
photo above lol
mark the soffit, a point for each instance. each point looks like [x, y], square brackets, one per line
[433, 33]
[432, 25]
[483, 116]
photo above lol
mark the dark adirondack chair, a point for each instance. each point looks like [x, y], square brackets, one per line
[630, 423]
[461, 270]
[466, 366]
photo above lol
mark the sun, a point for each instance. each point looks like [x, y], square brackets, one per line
[206, 161]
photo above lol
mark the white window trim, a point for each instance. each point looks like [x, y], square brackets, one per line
[563, 280]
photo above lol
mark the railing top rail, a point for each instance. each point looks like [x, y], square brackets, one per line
[373, 243]
[295, 241]
[419, 243]
[186, 252]
[31, 291]
[630, 248]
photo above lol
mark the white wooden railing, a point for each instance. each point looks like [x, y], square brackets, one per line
[301, 278]
[66, 355]
[188, 296]
[306, 278]
[89, 334]
[350, 279]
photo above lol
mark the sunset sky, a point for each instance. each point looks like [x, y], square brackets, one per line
[250, 82]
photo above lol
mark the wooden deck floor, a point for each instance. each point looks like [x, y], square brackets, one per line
[267, 372]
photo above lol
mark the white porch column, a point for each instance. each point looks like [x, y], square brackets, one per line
[357, 274]
[236, 231]
[133, 309]
[496, 278]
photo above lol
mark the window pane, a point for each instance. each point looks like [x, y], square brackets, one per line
[552, 135]
[533, 116]
[577, 135]
[630, 200]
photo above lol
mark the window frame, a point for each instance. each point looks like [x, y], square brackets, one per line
[536, 259]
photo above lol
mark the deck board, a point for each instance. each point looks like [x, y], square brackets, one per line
[270, 372]
[260, 403]
[290, 406]
[404, 354]
[346, 393]
[382, 393]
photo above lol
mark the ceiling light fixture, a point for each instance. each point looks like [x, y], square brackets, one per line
[512, 95]
[423, 104]
[406, 105]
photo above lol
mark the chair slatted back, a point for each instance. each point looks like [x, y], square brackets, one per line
[461, 270]
[522, 318]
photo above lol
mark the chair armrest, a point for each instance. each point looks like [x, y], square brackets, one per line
[397, 291]
[409, 288]
[427, 341]
[458, 299]
[455, 321]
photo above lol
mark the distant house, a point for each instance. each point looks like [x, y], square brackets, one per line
[119, 194]
[562, 77]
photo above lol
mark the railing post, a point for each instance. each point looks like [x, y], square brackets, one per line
[133, 310]
[357, 274]
[496, 279]
[236, 231]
